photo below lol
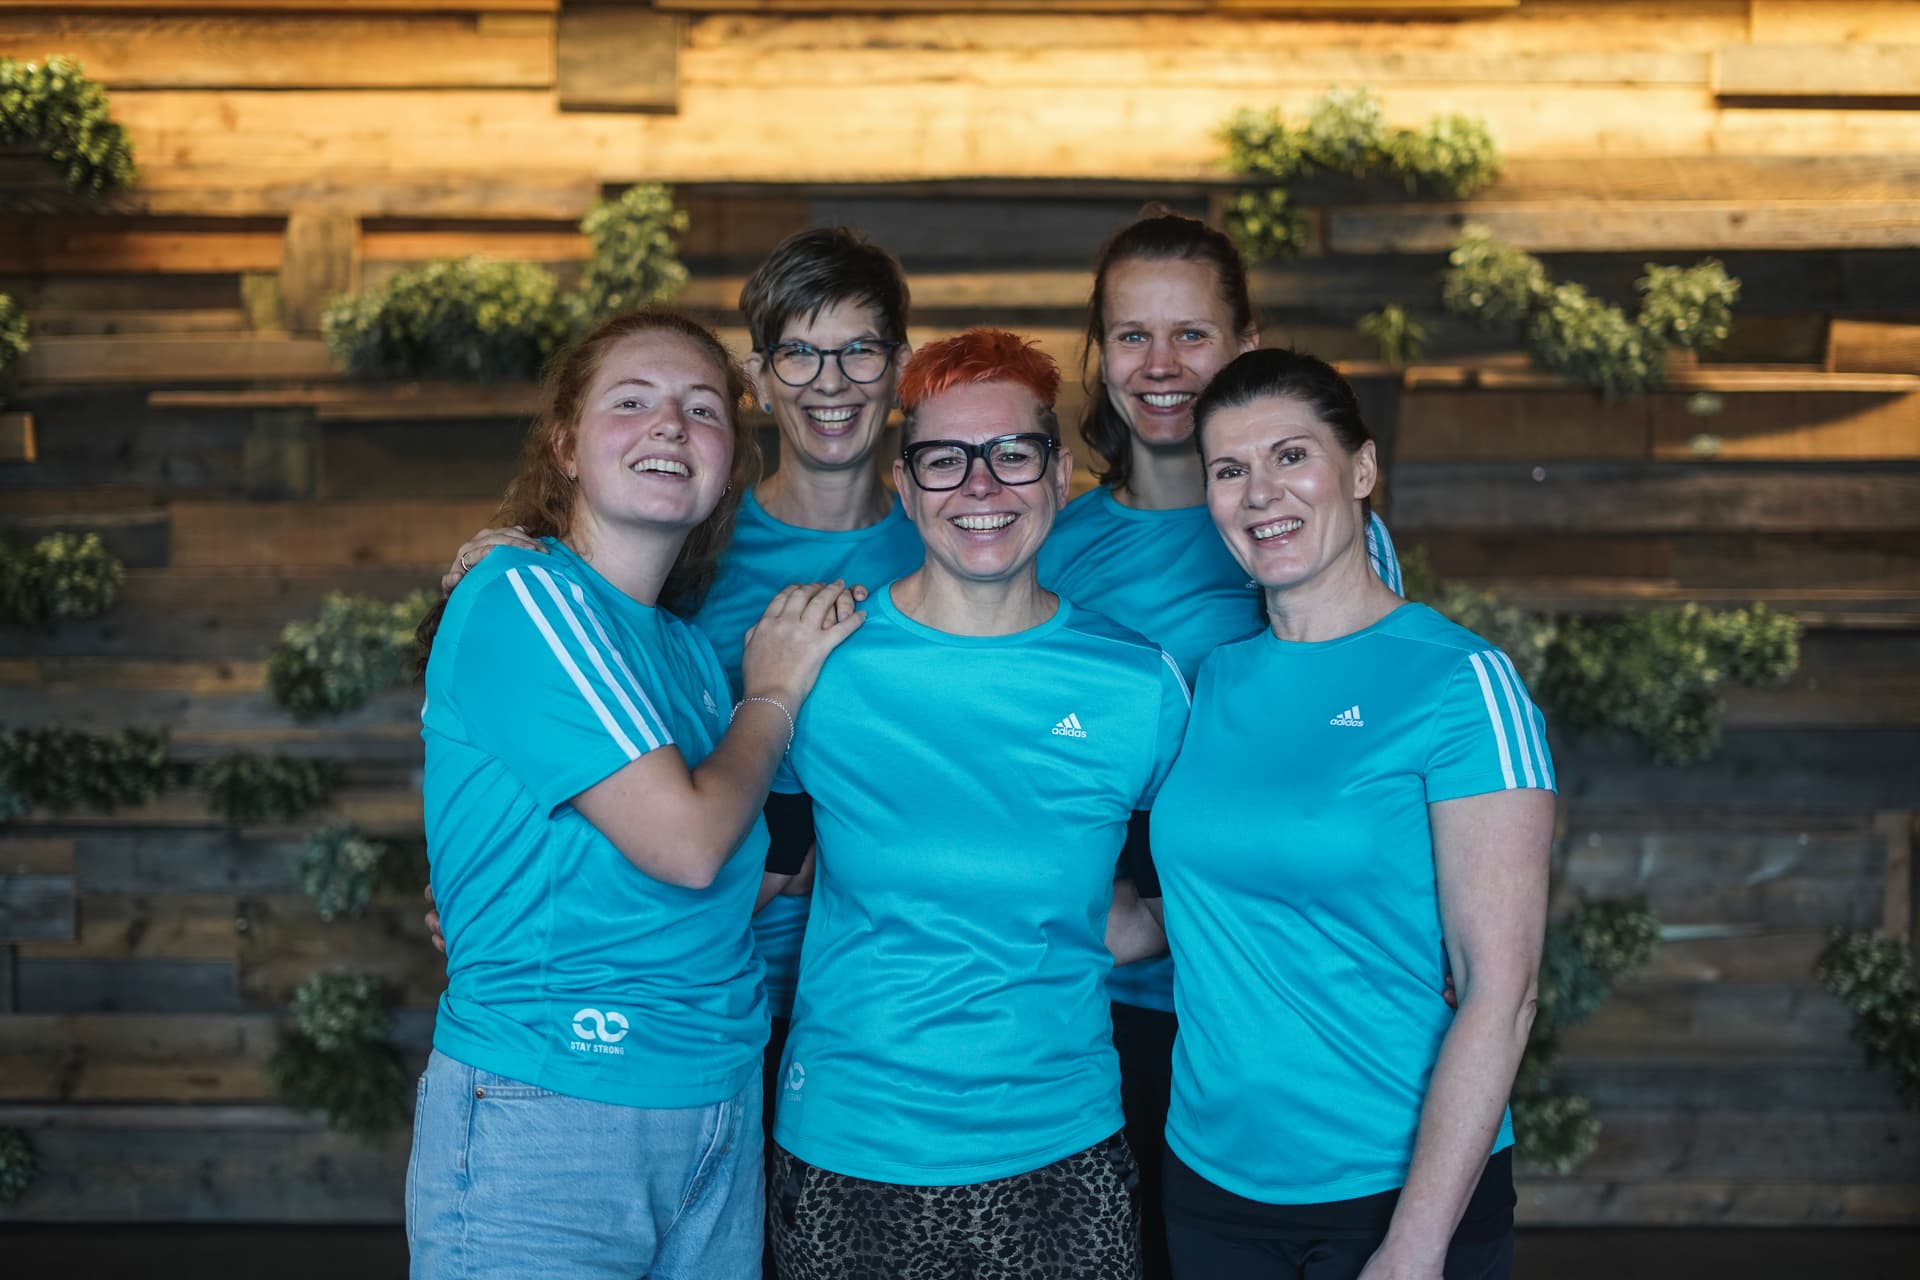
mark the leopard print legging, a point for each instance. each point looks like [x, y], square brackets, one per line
[1075, 1219]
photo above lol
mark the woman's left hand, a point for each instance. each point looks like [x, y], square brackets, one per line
[1391, 1262]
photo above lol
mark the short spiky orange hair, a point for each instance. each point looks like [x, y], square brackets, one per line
[978, 355]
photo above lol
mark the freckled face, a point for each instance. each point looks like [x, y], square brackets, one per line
[984, 530]
[1283, 492]
[655, 440]
[832, 422]
[1168, 331]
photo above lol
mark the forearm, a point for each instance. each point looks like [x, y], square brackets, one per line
[1466, 1097]
[1132, 931]
[730, 785]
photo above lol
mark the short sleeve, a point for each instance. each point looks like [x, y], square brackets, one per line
[541, 685]
[1176, 700]
[1488, 735]
[1380, 553]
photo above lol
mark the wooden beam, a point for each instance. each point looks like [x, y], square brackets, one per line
[36, 891]
[176, 358]
[16, 436]
[1813, 22]
[1790, 71]
[1656, 497]
[1896, 830]
[285, 6]
[319, 261]
[1615, 228]
[86, 246]
[617, 58]
[1862, 345]
[292, 50]
[1768, 1203]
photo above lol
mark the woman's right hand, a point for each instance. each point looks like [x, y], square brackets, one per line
[474, 549]
[802, 625]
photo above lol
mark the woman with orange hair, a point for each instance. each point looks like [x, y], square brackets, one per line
[593, 822]
[969, 765]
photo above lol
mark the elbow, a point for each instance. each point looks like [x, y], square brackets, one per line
[684, 866]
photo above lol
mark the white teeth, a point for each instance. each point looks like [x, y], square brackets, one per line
[1167, 399]
[666, 466]
[834, 416]
[983, 524]
[1278, 528]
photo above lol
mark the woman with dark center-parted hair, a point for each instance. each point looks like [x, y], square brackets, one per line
[1362, 806]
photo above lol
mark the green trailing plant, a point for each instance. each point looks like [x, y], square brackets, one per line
[636, 252]
[1580, 337]
[342, 870]
[54, 108]
[1266, 225]
[245, 789]
[14, 343]
[1586, 952]
[1584, 340]
[338, 1059]
[1688, 307]
[19, 1162]
[1399, 336]
[461, 319]
[1874, 976]
[61, 577]
[1345, 135]
[475, 320]
[356, 648]
[1490, 282]
[64, 770]
[1657, 676]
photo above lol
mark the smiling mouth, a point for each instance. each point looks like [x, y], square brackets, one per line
[983, 523]
[664, 467]
[830, 419]
[1167, 399]
[1276, 529]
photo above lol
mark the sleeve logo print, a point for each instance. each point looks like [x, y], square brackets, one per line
[597, 1032]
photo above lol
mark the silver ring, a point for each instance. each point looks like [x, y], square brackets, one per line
[464, 566]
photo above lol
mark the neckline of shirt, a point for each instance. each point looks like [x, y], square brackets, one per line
[893, 613]
[752, 508]
[1266, 635]
[1113, 505]
[578, 565]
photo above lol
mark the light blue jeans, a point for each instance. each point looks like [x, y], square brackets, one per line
[508, 1180]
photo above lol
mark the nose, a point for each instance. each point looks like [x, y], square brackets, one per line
[980, 480]
[1261, 486]
[831, 377]
[1162, 360]
[670, 423]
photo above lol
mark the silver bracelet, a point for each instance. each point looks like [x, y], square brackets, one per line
[783, 711]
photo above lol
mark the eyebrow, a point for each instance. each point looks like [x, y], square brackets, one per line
[648, 382]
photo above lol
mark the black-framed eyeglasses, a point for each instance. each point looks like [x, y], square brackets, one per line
[938, 465]
[862, 360]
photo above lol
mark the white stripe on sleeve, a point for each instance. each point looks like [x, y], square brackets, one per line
[594, 656]
[1493, 714]
[613, 651]
[1495, 660]
[1535, 724]
[1178, 678]
[570, 666]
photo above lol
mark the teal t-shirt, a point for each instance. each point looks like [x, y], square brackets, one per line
[1168, 575]
[764, 557]
[970, 798]
[567, 966]
[1296, 860]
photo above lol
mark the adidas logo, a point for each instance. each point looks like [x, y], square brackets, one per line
[1069, 728]
[1350, 717]
[706, 696]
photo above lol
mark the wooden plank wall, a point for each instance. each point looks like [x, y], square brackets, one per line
[181, 404]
